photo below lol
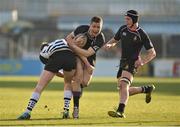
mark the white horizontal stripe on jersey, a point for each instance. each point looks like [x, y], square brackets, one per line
[57, 45]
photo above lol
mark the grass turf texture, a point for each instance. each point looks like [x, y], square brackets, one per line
[100, 97]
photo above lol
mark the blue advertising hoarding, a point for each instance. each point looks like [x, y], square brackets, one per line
[20, 67]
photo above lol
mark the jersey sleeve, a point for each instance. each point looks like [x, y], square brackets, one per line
[98, 43]
[80, 29]
[118, 33]
[146, 41]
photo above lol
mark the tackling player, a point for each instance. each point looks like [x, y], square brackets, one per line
[55, 55]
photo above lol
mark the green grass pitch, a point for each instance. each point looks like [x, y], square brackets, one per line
[100, 97]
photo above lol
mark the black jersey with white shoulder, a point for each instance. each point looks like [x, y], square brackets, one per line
[96, 43]
[55, 46]
[132, 41]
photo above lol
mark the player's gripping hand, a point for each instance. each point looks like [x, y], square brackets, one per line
[107, 46]
[71, 43]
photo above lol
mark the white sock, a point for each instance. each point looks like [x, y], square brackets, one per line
[32, 102]
[67, 99]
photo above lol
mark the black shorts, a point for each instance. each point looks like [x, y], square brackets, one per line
[65, 60]
[127, 65]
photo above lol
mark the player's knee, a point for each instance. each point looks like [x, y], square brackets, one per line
[124, 83]
[67, 81]
[125, 80]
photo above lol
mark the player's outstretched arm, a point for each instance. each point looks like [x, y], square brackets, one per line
[111, 43]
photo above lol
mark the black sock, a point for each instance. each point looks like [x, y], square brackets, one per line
[76, 96]
[81, 90]
[121, 107]
[145, 89]
[81, 86]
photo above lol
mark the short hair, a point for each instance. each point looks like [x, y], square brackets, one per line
[96, 19]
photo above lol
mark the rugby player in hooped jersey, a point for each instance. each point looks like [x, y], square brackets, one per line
[56, 55]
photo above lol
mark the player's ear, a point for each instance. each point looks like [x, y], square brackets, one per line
[43, 45]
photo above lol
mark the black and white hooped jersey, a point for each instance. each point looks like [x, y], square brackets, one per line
[57, 45]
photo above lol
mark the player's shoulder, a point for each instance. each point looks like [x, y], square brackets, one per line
[83, 27]
[122, 28]
[101, 36]
[141, 31]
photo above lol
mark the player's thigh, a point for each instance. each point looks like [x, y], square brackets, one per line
[78, 77]
[45, 78]
[68, 75]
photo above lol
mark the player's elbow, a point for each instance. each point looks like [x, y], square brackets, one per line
[153, 53]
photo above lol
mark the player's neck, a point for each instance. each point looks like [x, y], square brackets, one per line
[134, 27]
